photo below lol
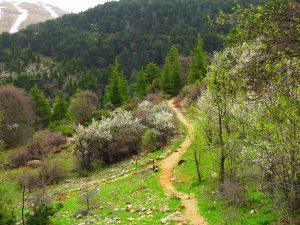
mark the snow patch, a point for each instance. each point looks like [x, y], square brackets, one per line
[21, 18]
[50, 10]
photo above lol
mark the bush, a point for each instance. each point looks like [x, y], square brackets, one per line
[51, 173]
[148, 141]
[30, 181]
[41, 214]
[159, 118]
[43, 143]
[18, 157]
[108, 140]
[63, 126]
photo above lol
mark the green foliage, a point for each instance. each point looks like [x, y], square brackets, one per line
[63, 126]
[41, 106]
[7, 216]
[117, 89]
[197, 69]
[83, 106]
[60, 107]
[171, 82]
[42, 214]
[148, 141]
[141, 85]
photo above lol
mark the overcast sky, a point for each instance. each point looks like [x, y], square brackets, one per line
[69, 5]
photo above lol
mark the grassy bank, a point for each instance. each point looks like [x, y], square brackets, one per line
[211, 206]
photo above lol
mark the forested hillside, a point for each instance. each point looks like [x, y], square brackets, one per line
[86, 44]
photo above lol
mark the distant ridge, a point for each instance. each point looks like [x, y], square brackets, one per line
[16, 16]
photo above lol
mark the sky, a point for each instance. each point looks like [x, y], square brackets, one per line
[69, 5]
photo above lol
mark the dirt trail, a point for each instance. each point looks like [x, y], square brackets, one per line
[167, 166]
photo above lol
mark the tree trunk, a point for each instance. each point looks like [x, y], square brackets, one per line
[197, 166]
[23, 204]
[222, 157]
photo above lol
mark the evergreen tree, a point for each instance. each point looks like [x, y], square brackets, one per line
[117, 89]
[60, 107]
[171, 74]
[41, 106]
[141, 85]
[151, 72]
[197, 70]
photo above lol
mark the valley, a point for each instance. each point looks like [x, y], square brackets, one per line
[150, 112]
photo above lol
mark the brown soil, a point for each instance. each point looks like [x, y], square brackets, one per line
[167, 165]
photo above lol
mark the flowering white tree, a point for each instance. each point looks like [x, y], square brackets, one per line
[159, 118]
[95, 142]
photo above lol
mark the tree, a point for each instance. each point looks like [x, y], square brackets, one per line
[83, 106]
[171, 74]
[152, 72]
[197, 69]
[108, 140]
[18, 116]
[41, 106]
[117, 89]
[141, 85]
[60, 107]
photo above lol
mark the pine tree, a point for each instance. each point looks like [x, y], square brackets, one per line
[41, 106]
[151, 72]
[175, 72]
[197, 65]
[141, 85]
[60, 107]
[171, 73]
[117, 89]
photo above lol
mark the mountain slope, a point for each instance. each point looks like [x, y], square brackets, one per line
[136, 31]
[16, 16]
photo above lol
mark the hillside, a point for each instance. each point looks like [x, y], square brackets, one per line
[199, 138]
[138, 32]
[16, 16]
[80, 48]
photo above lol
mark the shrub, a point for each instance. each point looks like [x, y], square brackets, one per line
[45, 142]
[51, 173]
[18, 116]
[148, 141]
[30, 181]
[63, 126]
[108, 140]
[42, 213]
[159, 118]
[83, 106]
[18, 157]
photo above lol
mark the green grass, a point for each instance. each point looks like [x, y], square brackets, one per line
[141, 189]
[211, 207]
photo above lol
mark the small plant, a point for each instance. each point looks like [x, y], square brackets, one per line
[7, 216]
[42, 214]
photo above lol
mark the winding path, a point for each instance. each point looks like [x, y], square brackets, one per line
[167, 166]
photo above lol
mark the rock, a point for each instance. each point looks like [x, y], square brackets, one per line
[165, 209]
[80, 213]
[129, 207]
[181, 162]
[175, 217]
[131, 219]
[34, 164]
[143, 210]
